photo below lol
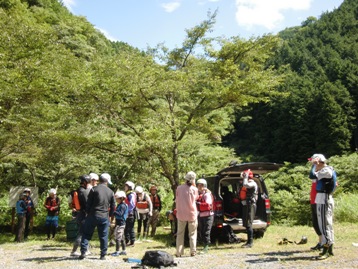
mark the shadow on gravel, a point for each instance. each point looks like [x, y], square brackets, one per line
[50, 259]
[284, 256]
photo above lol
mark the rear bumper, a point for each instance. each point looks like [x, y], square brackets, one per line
[236, 224]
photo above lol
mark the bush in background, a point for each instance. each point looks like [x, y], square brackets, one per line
[289, 190]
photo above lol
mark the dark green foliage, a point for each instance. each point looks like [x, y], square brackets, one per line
[290, 187]
[320, 111]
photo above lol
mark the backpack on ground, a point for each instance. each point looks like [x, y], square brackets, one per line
[158, 258]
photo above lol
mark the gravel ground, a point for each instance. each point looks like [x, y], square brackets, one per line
[52, 254]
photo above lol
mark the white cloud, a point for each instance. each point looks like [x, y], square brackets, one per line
[170, 7]
[69, 4]
[266, 13]
[107, 34]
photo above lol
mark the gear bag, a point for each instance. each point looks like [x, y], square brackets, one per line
[158, 258]
[330, 184]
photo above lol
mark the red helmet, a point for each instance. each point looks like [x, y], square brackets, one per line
[249, 173]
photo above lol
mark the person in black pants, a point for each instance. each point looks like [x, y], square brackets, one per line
[249, 205]
[100, 206]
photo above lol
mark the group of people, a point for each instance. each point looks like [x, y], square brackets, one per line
[195, 212]
[94, 204]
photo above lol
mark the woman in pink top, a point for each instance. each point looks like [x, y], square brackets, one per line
[187, 213]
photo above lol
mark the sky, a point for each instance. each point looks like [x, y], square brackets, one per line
[143, 23]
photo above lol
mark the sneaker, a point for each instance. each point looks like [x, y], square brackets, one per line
[82, 256]
[75, 253]
[247, 245]
[103, 257]
[122, 253]
[115, 254]
[317, 247]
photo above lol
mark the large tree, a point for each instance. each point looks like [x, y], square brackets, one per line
[172, 107]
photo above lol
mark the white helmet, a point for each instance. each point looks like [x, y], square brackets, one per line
[202, 181]
[52, 191]
[130, 184]
[138, 189]
[120, 194]
[93, 176]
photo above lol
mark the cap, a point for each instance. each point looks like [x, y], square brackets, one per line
[27, 189]
[105, 177]
[190, 176]
[93, 176]
[120, 194]
[319, 156]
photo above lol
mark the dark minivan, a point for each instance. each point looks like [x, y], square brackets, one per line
[227, 206]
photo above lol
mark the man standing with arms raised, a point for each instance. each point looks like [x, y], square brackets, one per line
[100, 206]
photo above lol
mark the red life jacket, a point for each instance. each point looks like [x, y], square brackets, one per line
[142, 204]
[75, 201]
[203, 205]
[243, 193]
[155, 201]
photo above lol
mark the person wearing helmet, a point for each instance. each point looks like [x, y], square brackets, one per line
[131, 201]
[29, 213]
[99, 208]
[94, 180]
[185, 201]
[120, 215]
[52, 204]
[21, 210]
[206, 213]
[248, 197]
[144, 209]
[79, 202]
[157, 207]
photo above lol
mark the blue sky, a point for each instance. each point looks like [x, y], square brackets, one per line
[142, 23]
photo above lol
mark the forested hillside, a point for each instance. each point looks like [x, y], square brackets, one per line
[320, 110]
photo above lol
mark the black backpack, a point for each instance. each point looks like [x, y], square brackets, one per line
[158, 258]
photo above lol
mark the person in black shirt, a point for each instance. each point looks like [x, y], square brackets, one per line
[100, 206]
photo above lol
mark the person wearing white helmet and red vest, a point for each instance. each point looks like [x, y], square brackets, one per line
[131, 201]
[187, 213]
[100, 207]
[248, 197]
[144, 209]
[206, 213]
[157, 207]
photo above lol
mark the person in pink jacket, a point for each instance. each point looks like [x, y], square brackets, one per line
[187, 213]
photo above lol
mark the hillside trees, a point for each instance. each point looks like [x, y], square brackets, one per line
[320, 111]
